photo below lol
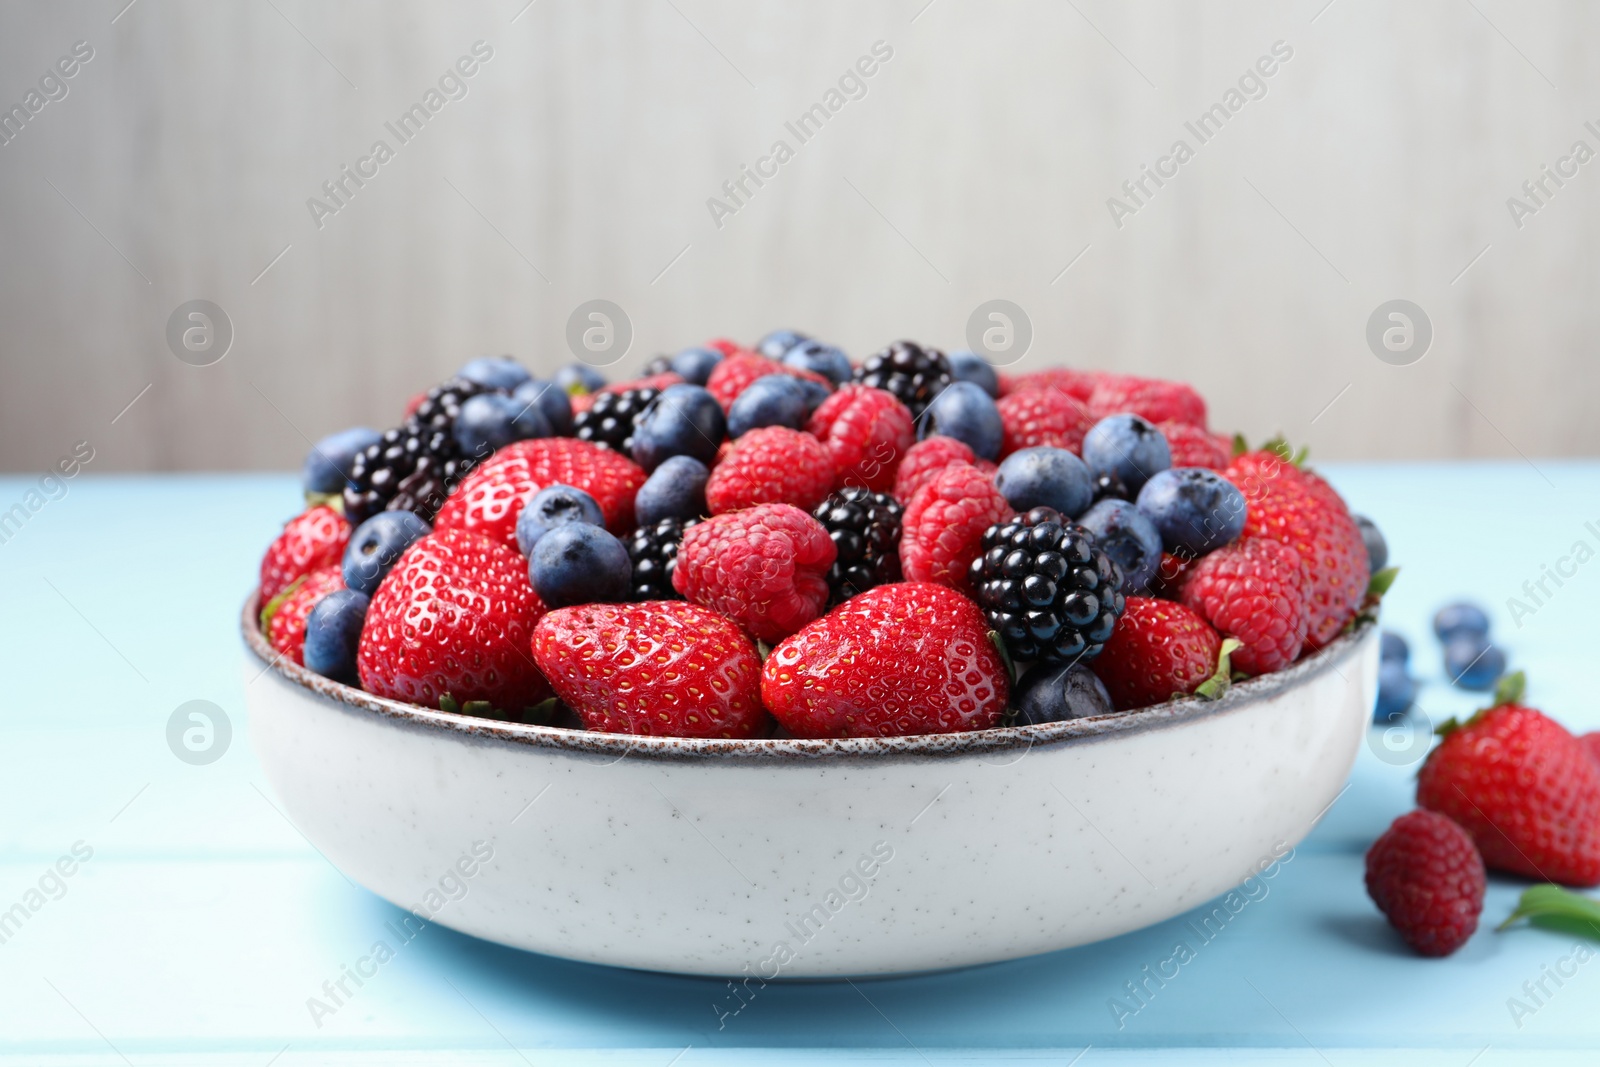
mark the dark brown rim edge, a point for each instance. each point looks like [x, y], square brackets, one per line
[999, 739]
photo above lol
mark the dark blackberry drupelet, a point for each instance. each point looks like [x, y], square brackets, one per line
[415, 465]
[654, 552]
[865, 527]
[915, 374]
[609, 420]
[1046, 589]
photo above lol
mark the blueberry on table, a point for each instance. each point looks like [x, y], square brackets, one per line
[1127, 535]
[1377, 547]
[684, 420]
[580, 564]
[1127, 446]
[1396, 690]
[333, 633]
[551, 399]
[1461, 618]
[674, 490]
[968, 366]
[774, 344]
[376, 545]
[1194, 509]
[490, 421]
[327, 466]
[694, 365]
[1045, 477]
[1054, 692]
[553, 506]
[495, 372]
[1472, 662]
[1392, 646]
[775, 400]
[964, 411]
[826, 360]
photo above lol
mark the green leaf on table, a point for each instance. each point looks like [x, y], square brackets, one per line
[1555, 908]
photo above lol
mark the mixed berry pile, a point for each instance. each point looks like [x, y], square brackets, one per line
[778, 541]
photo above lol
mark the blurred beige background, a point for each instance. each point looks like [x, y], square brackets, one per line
[978, 165]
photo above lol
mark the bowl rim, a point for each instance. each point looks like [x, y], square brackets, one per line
[997, 739]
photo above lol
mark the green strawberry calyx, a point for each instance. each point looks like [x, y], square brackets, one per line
[1216, 685]
[1553, 907]
[1005, 656]
[271, 607]
[1511, 689]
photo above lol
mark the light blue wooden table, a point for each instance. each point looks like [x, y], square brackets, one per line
[203, 921]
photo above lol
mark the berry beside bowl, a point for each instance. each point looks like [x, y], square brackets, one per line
[825, 717]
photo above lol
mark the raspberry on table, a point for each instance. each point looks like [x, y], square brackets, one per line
[1427, 878]
[1155, 399]
[1253, 590]
[492, 498]
[771, 465]
[763, 567]
[942, 532]
[928, 457]
[867, 432]
[865, 527]
[1042, 416]
[1159, 649]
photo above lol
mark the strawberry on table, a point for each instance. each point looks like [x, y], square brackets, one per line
[285, 615]
[310, 541]
[771, 465]
[662, 667]
[1428, 880]
[1253, 590]
[764, 567]
[1159, 649]
[491, 498]
[867, 432]
[908, 658]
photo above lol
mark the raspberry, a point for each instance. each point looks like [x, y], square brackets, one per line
[1253, 590]
[1192, 446]
[284, 618]
[1042, 416]
[772, 465]
[492, 497]
[1078, 384]
[942, 532]
[909, 658]
[1427, 878]
[927, 458]
[867, 432]
[1155, 399]
[663, 667]
[735, 373]
[1160, 649]
[764, 567]
[311, 540]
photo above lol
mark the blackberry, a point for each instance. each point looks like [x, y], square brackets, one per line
[654, 552]
[1109, 487]
[1046, 589]
[913, 373]
[865, 527]
[415, 465]
[609, 420]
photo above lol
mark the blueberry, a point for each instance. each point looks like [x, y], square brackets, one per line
[377, 544]
[1460, 618]
[684, 420]
[1045, 477]
[580, 378]
[490, 421]
[696, 364]
[549, 398]
[815, 392]
[580, 564]
[1472, 662]
[1194, 509]
[1053, 692]
[776, 343]
[1129, 537]
[1393, 646]
[826, 360]
[495, 372]
[553, 506]
[1127, 446]
[1396, 690]
[966, 366]
[327, 466]
[775, 400]
[964, 411]
[333, 633]
[675, 490]
[1377, 547]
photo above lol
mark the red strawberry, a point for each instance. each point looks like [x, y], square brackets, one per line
[1253, 590]
[868, 432]
[1591, 741]
[286, 619]
[1285, 506]
[942, 531]
[1168, 582]
[662, 667]
[1078, 384]
[1428, 880]
[771, 465]
[311, 540]
[1525, 789]
[927, 458]
[1154, 398]
[1158, 650]
[1193, 446]
[489, 500]
[454, 618]
[765, 567]
[735, 373]
[907, 658]
[1042, 416]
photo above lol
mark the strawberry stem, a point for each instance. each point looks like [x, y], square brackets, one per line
[1552, 907]
[1214, 686]
[1510, 689]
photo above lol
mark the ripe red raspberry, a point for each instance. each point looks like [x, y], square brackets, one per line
[1042, 416]
[765, 567]
[942, 532]
[311, 540]
[285, 620]
[735, 373]
[1156, 399]
[1428, 879]
[492, 496]
[868, 432]
[1078, 384]
[1591, 741]
[1193, 446]
[663, 667]
[1253, 590]
[454, 618]
[1160, 649]
[771, 465]
[927, 458]
[907, 658]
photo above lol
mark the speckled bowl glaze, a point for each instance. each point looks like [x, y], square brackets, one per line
[775, 859]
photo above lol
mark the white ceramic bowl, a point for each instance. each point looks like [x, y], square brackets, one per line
[794, 858]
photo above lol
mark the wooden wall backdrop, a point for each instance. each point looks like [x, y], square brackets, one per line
[978, 165]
